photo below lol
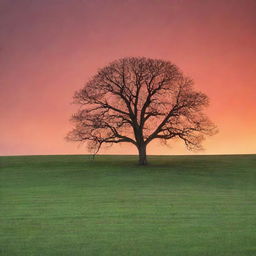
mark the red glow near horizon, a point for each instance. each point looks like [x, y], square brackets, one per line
[50, 48]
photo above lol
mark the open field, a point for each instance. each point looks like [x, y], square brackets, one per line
[178, 205]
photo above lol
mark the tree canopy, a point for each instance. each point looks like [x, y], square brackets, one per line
[137, 100]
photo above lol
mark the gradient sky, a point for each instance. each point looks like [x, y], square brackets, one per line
[49, 48]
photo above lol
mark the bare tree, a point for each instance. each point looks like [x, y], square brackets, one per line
[137, 100]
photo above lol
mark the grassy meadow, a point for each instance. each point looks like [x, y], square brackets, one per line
[177, 205]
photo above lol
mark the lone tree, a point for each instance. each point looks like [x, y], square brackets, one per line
[137, 100]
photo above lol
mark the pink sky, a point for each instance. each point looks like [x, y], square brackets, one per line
[49, 49]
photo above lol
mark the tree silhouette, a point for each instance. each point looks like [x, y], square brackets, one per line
[136, 100]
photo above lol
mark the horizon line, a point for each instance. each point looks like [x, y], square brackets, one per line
[225, 154]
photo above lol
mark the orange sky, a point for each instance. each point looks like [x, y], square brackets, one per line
[48, 49]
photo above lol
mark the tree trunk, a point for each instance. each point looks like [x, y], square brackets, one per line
[142, 155]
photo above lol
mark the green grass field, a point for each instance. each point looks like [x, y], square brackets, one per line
[178, 205]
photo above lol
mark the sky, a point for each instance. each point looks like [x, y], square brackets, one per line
[50, 48]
